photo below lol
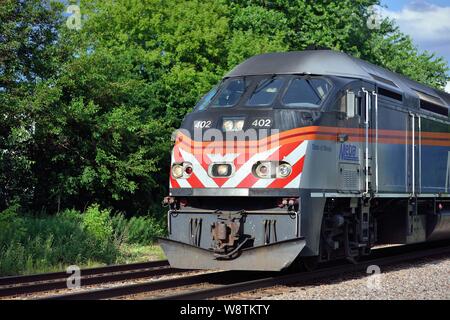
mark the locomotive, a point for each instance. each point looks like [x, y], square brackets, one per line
[302, 157]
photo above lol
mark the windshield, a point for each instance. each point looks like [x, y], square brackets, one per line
[278, 91]
[230, 93]
[203, 103]
[306, 92]
[265, 93]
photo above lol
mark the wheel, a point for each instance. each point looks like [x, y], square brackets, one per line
[310, 263]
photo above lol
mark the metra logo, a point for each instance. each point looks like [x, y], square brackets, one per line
[348, 152]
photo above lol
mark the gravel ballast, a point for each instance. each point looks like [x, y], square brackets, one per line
[426, 279]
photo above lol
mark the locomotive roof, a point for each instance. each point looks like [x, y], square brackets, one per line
[329, 62]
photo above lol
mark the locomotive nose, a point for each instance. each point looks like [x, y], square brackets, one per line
[272, 257]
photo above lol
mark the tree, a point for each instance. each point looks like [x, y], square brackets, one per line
[342, 25]
[90, 112]
[27, 55]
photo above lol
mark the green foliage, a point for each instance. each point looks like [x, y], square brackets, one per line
[97, 223]
[137, 230]
[41, 243]
[38, 243]
[88, 114]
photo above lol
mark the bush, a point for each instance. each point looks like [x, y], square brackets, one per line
[97, 223]
[137, 230]
[39, 243]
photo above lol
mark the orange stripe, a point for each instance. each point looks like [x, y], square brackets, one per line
[316, 133]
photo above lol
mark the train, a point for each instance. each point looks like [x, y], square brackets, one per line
[298, 158]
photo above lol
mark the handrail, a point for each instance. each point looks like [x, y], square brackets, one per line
[376, 140]
[366, 124]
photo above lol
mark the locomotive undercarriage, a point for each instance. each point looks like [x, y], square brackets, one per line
[267, 236]
[352, 227]
[349, 229]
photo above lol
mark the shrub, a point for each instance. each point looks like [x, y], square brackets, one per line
[30, 243]
[38, 243]
[98, 223]
[137, 230]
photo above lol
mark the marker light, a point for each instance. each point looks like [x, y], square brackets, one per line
[188, 170]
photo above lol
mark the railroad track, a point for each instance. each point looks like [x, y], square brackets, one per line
[226, 283]
[29, 284]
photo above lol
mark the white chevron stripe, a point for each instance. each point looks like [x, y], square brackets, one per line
[243, 171]
[295, 183]
[199, 171]
[183, 183]
[297, 154]
[291, 158]
[262, 183]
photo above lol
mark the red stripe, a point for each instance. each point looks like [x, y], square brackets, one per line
[278, 155]
[220, 181]
[195, 182]
[174, 183]
[248, 182]
[296, 170]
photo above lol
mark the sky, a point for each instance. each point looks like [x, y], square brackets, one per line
[426, 21]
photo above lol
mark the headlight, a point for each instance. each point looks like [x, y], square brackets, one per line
[284, 170]
[182, 170]
[228, 125]
[239, 125]
[272, 169]
[263, 170]
[222, 170]
[177, 171]
[232, 125]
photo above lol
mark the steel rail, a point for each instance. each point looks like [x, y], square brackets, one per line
[84, 272]
[132, 289]
[86, 281]
[230, 282]
[301, 277]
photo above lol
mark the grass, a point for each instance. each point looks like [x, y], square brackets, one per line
[141, 253]
[42, 243]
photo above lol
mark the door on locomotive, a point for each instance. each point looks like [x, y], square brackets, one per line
[369, 126]
[357, 149]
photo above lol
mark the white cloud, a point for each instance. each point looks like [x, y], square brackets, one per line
[428, 24]
[447, 88]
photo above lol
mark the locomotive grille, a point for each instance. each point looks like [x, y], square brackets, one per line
[349, 177]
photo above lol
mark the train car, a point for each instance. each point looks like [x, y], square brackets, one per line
[300, 157]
